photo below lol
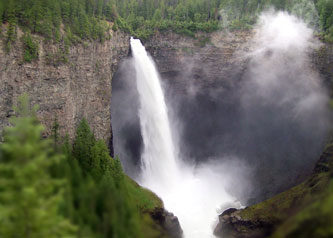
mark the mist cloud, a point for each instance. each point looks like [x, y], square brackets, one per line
[272, 118]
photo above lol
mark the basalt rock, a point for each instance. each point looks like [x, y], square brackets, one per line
[69, 90]
[205, 61]
[168, 222]
[232, 225]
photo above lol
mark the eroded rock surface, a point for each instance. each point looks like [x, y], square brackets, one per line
[168, 222]
[68, 91]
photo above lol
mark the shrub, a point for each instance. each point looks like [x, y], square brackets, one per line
[30, 48]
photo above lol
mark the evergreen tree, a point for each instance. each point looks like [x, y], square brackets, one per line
[55, 134]
[29, 196]
[83, 144]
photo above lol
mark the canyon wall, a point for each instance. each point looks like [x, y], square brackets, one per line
[200, 75]
[204, 79]
[82, 87]
[66, 91]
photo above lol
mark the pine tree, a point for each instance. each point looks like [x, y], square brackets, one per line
[83, 144]
[55, 133]
[29, 196]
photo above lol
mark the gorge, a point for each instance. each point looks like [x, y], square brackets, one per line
[273, 69]
[235, 135]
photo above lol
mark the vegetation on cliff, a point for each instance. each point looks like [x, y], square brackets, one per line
[70, 21]
[312, 215]
[54, 189]
[302, 211]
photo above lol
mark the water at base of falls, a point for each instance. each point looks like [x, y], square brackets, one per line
[194, 194]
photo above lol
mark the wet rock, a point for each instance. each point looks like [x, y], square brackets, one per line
[232, 225]
[266, 216]
[168, 222]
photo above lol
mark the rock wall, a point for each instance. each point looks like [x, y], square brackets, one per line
[207, 59]
[69, 91]
[203, 79]
[216, 58]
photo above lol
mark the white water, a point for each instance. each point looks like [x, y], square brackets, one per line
[195, 195]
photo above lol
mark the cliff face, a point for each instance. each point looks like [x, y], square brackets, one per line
[205, 61]
[69, 91]
[204, 82]
[82, 87]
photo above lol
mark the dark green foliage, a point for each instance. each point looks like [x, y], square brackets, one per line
[84, 18]
[83, 146]
[242, 14]
[55, 133]
[87, 20]
[76, 191]
[29, 197]
[145, 17]
[30, 48]
[304, 211]
[9, 15]
[325, 10]
[314, 220]
[100, 200]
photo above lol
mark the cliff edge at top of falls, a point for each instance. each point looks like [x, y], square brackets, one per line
[217, 60]
[80, 87]
[179, 57]
[298, 212]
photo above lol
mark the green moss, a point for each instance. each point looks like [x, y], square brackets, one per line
[274, 209]
[145, 199]
[304, 209]
[280, 206]
[314, 220]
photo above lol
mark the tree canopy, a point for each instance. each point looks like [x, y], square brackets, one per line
[52, 190]
[91, 19]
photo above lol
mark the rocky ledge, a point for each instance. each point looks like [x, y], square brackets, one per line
[262, 219]
[232, 225]
[168, 222]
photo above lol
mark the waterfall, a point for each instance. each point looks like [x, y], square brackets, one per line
[193, 194]
[158, 159]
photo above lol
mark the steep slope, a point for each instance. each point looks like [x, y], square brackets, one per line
[156, 221]
[262, 219]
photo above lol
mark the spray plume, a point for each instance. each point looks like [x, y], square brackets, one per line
[280, 109]
[193, 194]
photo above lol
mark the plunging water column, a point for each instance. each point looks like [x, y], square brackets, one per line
[194, 195]
[158, 159]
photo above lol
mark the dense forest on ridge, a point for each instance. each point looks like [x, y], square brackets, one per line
[91, 19]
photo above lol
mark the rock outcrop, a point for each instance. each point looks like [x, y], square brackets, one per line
[232, 225]
[69, 91]
[168, 222]
[262, 219]
[82, 87]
